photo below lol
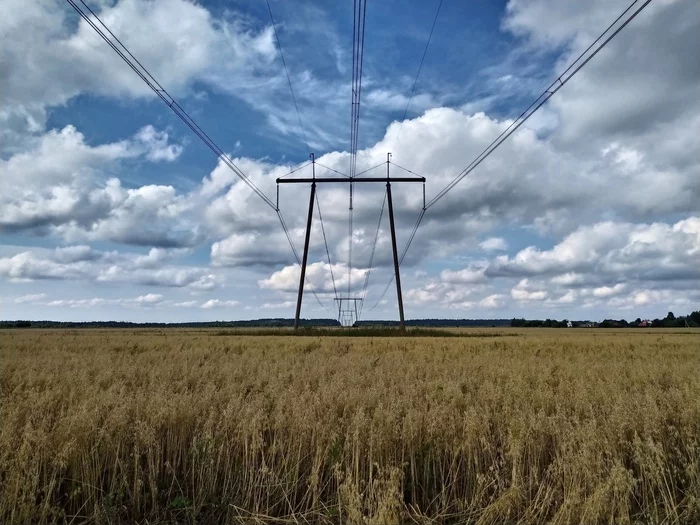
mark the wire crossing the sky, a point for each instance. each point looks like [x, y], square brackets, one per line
[325, 242]
[296, 256]
[420, 66]
[289, 80]
[152, 83]
[359, 23]
[358, 51]
[548, 93]
[371, 257]
[553, 88]
[160, 91]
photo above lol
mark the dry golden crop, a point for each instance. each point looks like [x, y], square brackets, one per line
[549, 426]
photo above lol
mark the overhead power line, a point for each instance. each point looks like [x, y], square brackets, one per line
[548, 93]
[160, 91]
[420, 66]
[371, 257]
[296, 256]
[289, 80]
[325, 242]
[358, 50]
[152, 83]
[331, 169]
[555, 86]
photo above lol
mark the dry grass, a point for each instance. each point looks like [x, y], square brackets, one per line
[560, 427]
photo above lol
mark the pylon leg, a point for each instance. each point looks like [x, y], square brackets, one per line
[402, 322]
[306, 255]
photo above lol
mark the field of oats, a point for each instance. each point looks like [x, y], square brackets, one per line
[491, 427]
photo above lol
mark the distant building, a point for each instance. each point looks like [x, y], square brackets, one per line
[588, 324]
[569, 324]
[645, 324]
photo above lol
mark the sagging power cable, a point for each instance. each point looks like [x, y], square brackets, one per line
[152, 83]
[420, 66]
[371, 257]
[289, 79]
[573, 68]
[548, 93]
[325, 242]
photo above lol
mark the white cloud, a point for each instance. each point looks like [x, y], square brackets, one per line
[186, 304]
[493, 244]
[599, 176]
[142, 301]
[468, 275]
[609, 291]
[218, 303]
[178, 41]
[94, 266]
[492, 301]
[318, 276]
[30, 298]
[149, 299]
[655, 251]
[57, 188]
[527, 290]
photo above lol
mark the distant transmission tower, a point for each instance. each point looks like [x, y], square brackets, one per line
[348, 306]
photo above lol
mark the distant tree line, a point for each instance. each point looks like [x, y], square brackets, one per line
[442, 323]
[538, 323]
[253, 323]
[670, 321]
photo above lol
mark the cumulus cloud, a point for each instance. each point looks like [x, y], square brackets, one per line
[95, 266]
[218, 303]
[320, 278]
[494, 244]
[608, 181]
[30, 298]
[179, 41]
[609, 250]
[149, 299]
[142, 301]
[58, 188]
[605, 265]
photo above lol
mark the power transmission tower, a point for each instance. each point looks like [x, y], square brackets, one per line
[349, 315]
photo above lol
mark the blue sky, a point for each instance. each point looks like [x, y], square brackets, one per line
[113, 209]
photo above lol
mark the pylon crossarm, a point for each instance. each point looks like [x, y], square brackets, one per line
[336, 180]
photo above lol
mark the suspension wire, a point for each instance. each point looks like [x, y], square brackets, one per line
[325, 241]
[410, 238]
[350, 246]
[406, 170]
[331, 169]
[296, 256]
[420, 66]
[403, 256]
[152, 83]
[358, 50]
[555, 86]
[297, 169]
[386, 289]
[370, 169]
[371, 257]
[289, 80]
[358, 53]
[289, 238]
[543, 98]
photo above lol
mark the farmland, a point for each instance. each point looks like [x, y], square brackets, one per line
[486, 426]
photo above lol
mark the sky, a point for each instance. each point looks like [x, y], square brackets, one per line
[111, 209]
